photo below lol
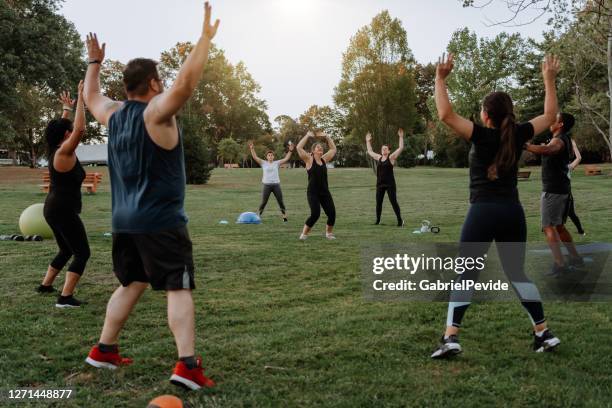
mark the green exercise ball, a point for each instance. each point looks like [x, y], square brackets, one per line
[32, 222]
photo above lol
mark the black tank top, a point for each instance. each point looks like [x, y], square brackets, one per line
[317, 178]
[64, 188]
[384, 173]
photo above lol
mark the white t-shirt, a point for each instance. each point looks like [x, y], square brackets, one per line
[270, 172]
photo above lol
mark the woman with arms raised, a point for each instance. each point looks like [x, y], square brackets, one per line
[318, 188]
[495, 212]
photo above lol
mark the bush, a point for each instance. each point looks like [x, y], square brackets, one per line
[198, 167]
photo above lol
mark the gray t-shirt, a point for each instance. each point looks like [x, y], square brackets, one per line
[270, 172]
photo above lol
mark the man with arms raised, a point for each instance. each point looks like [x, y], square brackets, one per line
[151, 244]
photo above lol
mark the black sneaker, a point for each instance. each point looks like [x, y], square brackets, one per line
[285, 219]
[576, 262]
[556, 270]
[448, 347]
[400, 223]
[64, 302]
[45, 289]
[546, 342]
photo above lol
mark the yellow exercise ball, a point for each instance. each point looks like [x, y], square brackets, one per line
[32, 222]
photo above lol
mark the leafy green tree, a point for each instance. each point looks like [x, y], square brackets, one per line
[377, 88]
[229, 150]
[40, 54]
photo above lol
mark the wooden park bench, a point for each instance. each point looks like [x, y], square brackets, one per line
[523, 175]
[590, 170]
[231, 165]
[90, 183]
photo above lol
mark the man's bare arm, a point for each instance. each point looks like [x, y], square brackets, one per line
[100, 106]
[164, 106]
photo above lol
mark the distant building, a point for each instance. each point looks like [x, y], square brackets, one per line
[93, 154]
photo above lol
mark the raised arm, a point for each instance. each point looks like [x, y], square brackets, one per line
[329, 155]
[67, 104]
[78, 130]
[460, 125]
[288, 155]
[400, 149]
[300, 147]
[100, 106]
[553, 147]
[578, 156]
[164, 106]
[550, 68]
[254, 153]
[371, 152]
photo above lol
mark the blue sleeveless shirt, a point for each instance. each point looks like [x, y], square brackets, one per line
[147, 181]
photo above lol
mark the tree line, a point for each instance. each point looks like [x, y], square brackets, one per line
[382, 88]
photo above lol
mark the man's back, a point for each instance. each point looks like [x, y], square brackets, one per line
[147, 181]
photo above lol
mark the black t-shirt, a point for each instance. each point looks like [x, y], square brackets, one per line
[555, 169]
[485, 143]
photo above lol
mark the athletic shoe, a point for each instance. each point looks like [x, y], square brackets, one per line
[45, 289]
[556, 270]
[303, 237]
[193, 379]
[330, 236]
[400, 223]
[112, 360]
[65, 302]
[377, 222]
[448, 347]
[546, 342]
[576, 262]
[285, 219]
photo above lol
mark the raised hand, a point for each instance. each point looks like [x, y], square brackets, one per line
[251, 146]
[368, 137]
[550, 67]
[80, 88]
[66, 100]
[94, 51]
[445, 66]
[310, 134]
[209, 31]
[400, 133]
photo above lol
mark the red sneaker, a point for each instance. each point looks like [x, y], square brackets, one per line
[99, 359]
[192, 379]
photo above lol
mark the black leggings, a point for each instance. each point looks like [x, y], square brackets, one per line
[504, 223]
[380, 196]
[571, 212]
[316, 201]
[265, 195]
[71, 239]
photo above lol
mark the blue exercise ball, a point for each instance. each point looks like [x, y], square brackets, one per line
[248, 218]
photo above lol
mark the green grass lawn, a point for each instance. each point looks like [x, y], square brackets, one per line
[283, 323]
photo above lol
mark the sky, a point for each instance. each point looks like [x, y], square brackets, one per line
[293, 48]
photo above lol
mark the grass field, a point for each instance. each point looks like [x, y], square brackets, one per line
[284, 323]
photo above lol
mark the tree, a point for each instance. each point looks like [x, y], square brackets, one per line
[40, 55]
[229, 150]
[377, 89]
[584, 22]
[227, 96]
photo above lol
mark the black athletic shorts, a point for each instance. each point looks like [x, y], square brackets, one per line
[163, 259]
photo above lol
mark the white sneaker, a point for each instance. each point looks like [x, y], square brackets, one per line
[303, 237]
[330, 236]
